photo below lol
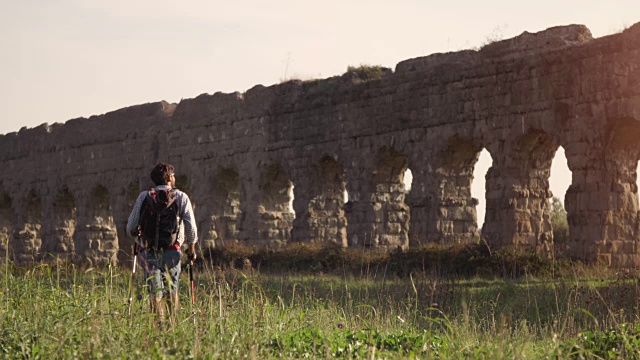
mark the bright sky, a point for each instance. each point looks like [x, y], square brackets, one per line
[76, 58]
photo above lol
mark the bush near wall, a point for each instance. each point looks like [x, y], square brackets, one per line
[460, 260]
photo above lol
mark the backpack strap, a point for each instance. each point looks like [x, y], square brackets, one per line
[174, 198]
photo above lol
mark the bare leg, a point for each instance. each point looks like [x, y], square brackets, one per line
[157, 307]
[175, 302]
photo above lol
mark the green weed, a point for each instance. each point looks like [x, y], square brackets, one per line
[62, 311]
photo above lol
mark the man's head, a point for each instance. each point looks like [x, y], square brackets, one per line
[162, 174]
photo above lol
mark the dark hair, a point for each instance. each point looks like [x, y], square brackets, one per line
[161, 174]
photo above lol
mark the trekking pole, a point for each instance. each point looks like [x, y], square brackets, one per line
[133, 271]
[192, 285]
[192, 289]
[192, 292]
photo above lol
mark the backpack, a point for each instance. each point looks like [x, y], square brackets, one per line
[160, 219]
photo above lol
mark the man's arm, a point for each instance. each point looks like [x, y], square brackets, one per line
[190, 227]
[134, 217]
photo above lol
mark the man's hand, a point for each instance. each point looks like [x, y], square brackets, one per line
[191, 253]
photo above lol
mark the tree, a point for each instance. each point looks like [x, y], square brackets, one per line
[559, 222]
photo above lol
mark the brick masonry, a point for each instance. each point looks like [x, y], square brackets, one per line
[67, 189]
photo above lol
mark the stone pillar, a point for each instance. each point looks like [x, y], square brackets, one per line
[6, 223]
[453, 207]
[517, 215]
[498, 228]
[518, 207]
[226, 206]
[376, 211]
[219, 209]
[204, 209]
[518, 211]
[125, 197]
[517, 193]
[275, 217]
[359, 209]
[249, 216]
[391, 214]
[602, 208]
[58, 229]
[422, 205]
[207, 230]
[27, 231]
[304, 221]
[319, 204]
[95, 237]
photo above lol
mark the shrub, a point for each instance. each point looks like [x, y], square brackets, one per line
[559, 224]
[364, 73]
[467, 260]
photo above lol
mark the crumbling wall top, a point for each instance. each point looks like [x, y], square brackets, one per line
[554, 38]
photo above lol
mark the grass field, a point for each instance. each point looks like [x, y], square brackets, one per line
[63, 311]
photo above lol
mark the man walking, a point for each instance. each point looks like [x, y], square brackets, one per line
[163, 218]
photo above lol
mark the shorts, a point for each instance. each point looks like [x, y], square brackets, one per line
[156, 265]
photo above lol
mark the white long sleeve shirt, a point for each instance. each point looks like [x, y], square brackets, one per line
[188, 233]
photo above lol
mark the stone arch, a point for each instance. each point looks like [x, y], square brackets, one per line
[391, 213]
[27, 234]
[534, 153]
[6, 221]
[518, 207]
[602, 201]
[96, 237]
[326, 218]
[57, 239]
[275, 216]
[377, 213]
[454, 212]
[221, 224]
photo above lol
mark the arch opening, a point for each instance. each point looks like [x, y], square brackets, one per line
[407, 180]
[559, 182]
[327, 221]
[275, 212]
[126, 200]
[479, 185]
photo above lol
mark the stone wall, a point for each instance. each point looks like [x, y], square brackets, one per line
[67, 189]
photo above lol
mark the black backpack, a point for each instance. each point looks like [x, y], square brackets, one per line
[160, 219]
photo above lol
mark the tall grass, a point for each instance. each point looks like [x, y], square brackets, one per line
[62, 311]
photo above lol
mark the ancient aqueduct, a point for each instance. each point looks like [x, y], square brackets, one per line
[67, 189]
